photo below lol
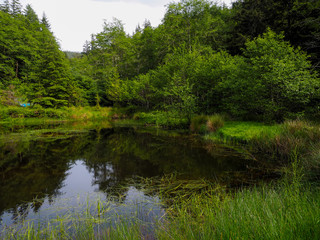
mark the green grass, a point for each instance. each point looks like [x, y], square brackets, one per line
[276, 143]
[259, 213]
[282, 211]
[245, 131]
[24, 114]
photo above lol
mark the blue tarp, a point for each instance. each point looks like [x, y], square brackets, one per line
[25, 104]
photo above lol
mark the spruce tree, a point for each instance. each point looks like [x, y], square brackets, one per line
[16, 7]
[5, 7]
[45, 22]
[31, 15]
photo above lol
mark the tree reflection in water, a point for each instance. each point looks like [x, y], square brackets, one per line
[40, 169]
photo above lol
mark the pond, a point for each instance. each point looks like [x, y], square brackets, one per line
[44, 173]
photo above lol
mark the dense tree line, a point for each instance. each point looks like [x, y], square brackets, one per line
[254, 60]
[32, 67]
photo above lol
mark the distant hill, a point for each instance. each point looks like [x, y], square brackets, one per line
[71, 55]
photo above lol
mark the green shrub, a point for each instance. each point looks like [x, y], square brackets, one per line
[198, 123]
[160, 118]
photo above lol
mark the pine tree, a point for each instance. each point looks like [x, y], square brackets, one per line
[31, 15]
[5, 7]
[51, 81]
[15, 7]
[45, 22]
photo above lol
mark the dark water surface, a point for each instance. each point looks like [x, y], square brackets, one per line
[54, 172]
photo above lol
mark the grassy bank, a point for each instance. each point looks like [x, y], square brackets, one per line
[259, 213]
[275, 143]
[288, 209]
[28, 114]
[282, 211]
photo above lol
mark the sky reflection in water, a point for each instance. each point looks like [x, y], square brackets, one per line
[66, 174]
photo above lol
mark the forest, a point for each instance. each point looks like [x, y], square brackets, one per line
[212, 116]
[255, 60]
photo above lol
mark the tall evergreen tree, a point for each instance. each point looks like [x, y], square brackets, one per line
[16, 7]
[31, 15]
[45, 22]
[5, 7]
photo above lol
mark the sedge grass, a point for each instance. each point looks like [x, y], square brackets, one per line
[260, 213]
[288, 209]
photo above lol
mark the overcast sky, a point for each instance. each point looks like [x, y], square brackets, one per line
[73, 21]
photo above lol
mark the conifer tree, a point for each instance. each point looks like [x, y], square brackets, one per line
[45, 22]
[16, 7]
[5, 7]
[31, 14]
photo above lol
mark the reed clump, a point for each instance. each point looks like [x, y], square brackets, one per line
[206, 124]
[214, 122]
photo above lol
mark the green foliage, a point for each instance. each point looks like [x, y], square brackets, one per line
[191, 22]
[180, 99]
[277, 143]
[37, 112]
[274, 81]
[31, 61]
[181, 66]
[294, 137]
[284, 211]
[160, 118]
[198, 123]
[296, 19]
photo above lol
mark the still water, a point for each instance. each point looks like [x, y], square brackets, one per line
[47, 175]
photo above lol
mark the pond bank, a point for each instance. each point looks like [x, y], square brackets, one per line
[282, 211]
[287, 209]
[15, 114]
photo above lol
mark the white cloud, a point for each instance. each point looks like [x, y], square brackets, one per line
[73, 21]
[144, 2]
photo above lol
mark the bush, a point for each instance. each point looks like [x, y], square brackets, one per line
[160, 118]
[198, 123]
[273, 81]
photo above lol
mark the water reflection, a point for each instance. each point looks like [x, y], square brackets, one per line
[68, 172]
